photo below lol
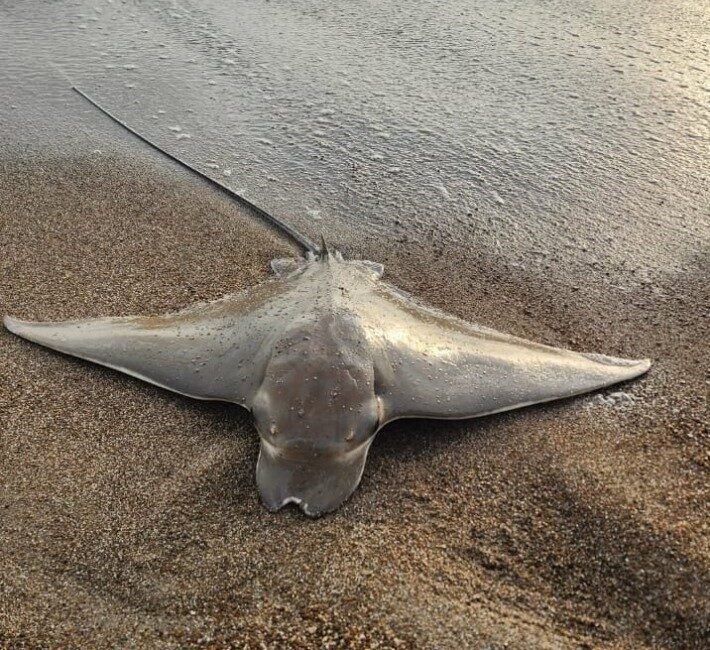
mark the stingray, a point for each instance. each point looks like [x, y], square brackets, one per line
[324, 354]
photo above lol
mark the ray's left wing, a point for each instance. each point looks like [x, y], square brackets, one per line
[431, 364]
[211, 351]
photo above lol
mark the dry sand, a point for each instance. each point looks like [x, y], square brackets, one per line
[129, 516]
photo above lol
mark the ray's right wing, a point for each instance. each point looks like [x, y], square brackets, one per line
[438, 366]
[211, 351]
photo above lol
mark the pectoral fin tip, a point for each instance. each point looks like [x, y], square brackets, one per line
[635, 367]
[14, 325]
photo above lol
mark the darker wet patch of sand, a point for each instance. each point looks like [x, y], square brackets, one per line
[129, 516]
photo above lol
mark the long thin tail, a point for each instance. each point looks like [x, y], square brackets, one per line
[300, 239]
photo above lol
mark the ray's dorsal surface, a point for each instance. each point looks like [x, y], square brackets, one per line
[324, 355]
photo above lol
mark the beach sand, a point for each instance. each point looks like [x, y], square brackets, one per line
[129, 516]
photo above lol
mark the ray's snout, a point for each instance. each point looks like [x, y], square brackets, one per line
[314, 458]
[318, 482]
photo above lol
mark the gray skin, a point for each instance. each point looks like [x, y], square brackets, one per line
[324, 355]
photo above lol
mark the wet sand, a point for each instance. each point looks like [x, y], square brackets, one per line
[130, 516]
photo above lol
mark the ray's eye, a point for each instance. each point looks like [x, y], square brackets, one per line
[350, 436]
[273, 429]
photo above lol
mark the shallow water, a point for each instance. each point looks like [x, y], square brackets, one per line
[514, 128]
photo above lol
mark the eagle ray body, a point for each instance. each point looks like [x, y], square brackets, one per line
[324, 355]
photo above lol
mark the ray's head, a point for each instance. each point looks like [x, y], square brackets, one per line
[317, 414]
